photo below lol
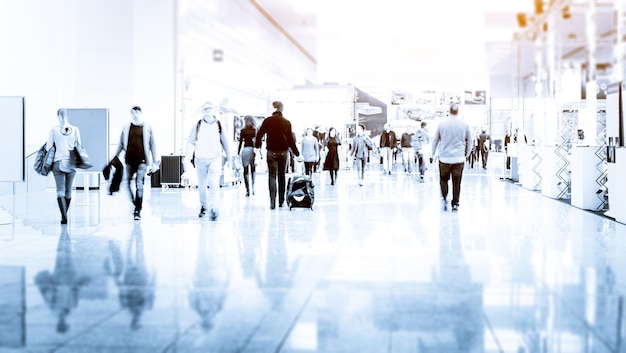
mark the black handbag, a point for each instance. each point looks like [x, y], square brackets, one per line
[80, 158]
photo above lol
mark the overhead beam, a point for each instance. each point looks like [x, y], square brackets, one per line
[282, 30]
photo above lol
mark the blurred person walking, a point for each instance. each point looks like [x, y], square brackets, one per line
[361, 145]
[279, 141]
[388, 144]
[421, 139]
[408, 153]
[484, 146]
[64, 137]
[205, 144]
[310, 150]
[247, 135]
[137, 139]
[331, 163]
[452, 143]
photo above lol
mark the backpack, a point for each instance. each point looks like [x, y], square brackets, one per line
[219, 129]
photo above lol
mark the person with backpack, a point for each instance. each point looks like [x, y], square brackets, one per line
[141, 157]
[206, 141]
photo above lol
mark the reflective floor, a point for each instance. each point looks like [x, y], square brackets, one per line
[373, 268]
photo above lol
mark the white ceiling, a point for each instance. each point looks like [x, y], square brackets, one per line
[416, 44]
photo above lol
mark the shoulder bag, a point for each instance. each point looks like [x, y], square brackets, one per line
[44, 160]
[80, 158]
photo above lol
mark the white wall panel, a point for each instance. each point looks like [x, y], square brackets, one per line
[118, 53]
[258, 60]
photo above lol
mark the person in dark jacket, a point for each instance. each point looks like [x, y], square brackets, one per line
[279, 141]
[408, 154]
[388, 145]
[331, 163]
[137, 142]
[484, 146]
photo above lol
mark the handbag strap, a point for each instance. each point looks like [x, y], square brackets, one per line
[76, 142]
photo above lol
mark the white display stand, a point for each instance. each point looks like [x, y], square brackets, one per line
[617, 187]
[513, 152]
[549, 170]
[525, 163]
[83, 179]
[584, 176]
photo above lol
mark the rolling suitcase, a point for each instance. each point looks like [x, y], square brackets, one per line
[300, 192]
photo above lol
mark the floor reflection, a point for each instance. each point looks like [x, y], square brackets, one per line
[377, 268]
[60, 288]
[211, 276]
[134, 280]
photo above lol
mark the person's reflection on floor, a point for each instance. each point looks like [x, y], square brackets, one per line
[454, 280]
[134, 281]
[277, 277]
[249, 243]
[209, 286]
[60, 289]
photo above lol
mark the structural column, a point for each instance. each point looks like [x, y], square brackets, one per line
[588, 120]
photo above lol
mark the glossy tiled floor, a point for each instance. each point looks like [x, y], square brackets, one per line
[378, 268]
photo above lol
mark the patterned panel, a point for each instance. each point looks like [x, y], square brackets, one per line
[601, 166]
[536, 168]
[563, 173]
[569, 133]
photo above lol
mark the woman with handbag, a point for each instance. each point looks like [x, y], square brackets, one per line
[64, 137]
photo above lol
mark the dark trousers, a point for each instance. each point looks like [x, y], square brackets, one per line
[308, 168]
[248, 163]
[445, 172]
[421, 162]
[276, 166]
[484, 155]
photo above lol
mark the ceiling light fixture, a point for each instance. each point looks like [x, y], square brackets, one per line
[521, 20]
[566, 13]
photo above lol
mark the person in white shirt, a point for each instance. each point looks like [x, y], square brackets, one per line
[453, 143]
[206, 141]
[310, 151]
[64, 137]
